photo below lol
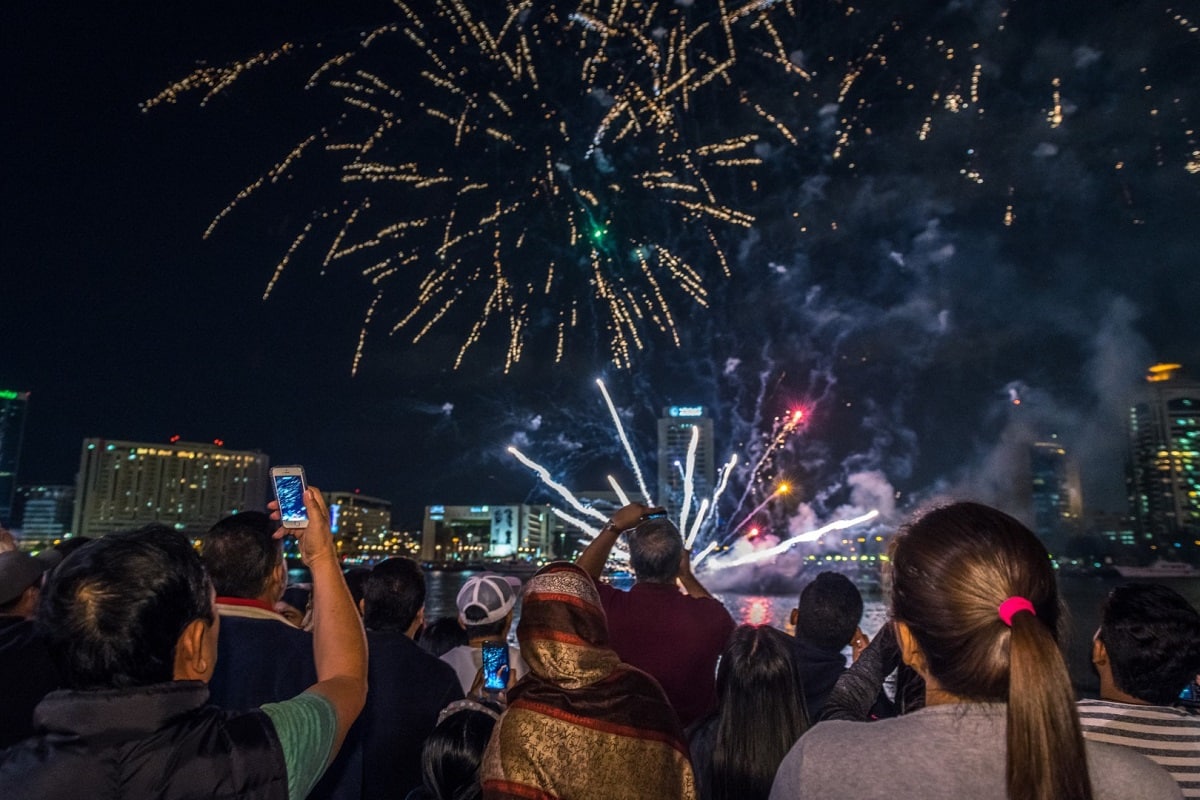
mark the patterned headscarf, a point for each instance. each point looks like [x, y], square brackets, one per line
[581, 724]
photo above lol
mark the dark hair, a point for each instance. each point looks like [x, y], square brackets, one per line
[952, 568]
[452, 754]
[68, 546]
[356, 578]
[442, 635]
[829, 612]
[655, 548]
[487, 630]
[241, 552]
[759, 715]
[1152, 635]
[393, 595]
[113, 612]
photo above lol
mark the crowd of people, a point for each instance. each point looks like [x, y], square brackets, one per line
[138, 666]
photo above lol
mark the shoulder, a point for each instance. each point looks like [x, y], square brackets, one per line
[1121, 772]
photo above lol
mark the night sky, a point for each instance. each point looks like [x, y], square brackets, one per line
[978, 202]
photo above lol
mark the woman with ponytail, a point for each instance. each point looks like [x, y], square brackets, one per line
[975, 608]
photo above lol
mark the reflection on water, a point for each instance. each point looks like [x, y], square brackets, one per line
[1083, 598]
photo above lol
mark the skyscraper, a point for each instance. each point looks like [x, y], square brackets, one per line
[13, 405]
[1055, 495]
[675, 430]
[45, 512]
[1164, 466]
[184, 485]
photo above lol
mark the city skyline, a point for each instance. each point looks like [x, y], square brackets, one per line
[897, 303]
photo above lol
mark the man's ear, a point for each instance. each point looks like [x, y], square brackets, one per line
[191, 660]
[795, 617]
[910, 651]
[1099, 653]
[362, 606]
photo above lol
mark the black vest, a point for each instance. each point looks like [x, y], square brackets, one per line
[160, 741]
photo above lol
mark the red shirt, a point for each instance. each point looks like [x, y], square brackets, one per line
[674, 637]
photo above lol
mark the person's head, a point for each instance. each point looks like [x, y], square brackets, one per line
[244, 559]
[485, 605]
[452, 753]
[829, 611]
[394, 596]
[563, 630]
[655, 548]
[356, 577]
[442, 635]
[976, 609]
[21, 581]
[759, 714]
[131, 609]
[1149, 639]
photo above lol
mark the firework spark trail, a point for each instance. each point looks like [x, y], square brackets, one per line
[781, 430]
[783, 488]
[563, 491]
[689, 478]
[633, 462]
[810, 536]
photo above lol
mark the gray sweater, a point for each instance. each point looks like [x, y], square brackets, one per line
[944, 752]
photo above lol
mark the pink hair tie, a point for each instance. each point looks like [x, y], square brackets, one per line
[1011, 606]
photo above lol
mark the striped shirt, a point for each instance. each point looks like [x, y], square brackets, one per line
[1168, 736]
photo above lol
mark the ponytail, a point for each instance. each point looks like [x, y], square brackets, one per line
[1046, 757]
[977, 591]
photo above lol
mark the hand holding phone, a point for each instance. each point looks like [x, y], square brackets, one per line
[495, 666]
[289, 486]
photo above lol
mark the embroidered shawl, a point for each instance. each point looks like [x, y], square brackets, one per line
[581, 724]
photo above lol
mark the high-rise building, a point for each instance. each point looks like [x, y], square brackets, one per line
[1164, 465]
[44, 513]
[360, 524]
[13, 405]
[675, 432]
[1055, 496]
[185, 485]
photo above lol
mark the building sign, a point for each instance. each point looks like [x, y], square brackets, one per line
[505, 536]
[685, 411]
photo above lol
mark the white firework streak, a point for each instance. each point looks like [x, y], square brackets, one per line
[616, 487]
[689, 477]
[810, 536]
[563, 491]
[696, 525]
[637, 471]
[712, 505]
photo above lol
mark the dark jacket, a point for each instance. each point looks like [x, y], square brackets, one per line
[407, 687]
[27, 674]
[162, 741]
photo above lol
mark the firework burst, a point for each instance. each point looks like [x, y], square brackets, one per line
[534, 167]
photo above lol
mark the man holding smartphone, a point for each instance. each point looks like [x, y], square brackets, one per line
[135, 720]
[676, 637]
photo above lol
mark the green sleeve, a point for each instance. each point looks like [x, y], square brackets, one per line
[305, 725]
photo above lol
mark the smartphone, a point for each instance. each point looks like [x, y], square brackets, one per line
[495, 666]
[289, 491]
[649, 515]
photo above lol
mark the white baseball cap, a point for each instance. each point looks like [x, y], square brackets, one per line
[493, 594]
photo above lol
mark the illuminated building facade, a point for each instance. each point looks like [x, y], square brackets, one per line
[1055, 494]
[473, 533]
[44, 513]
[13, 406]
[184, 485]
[674, 439]
[360, 524]
[1164, 466]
